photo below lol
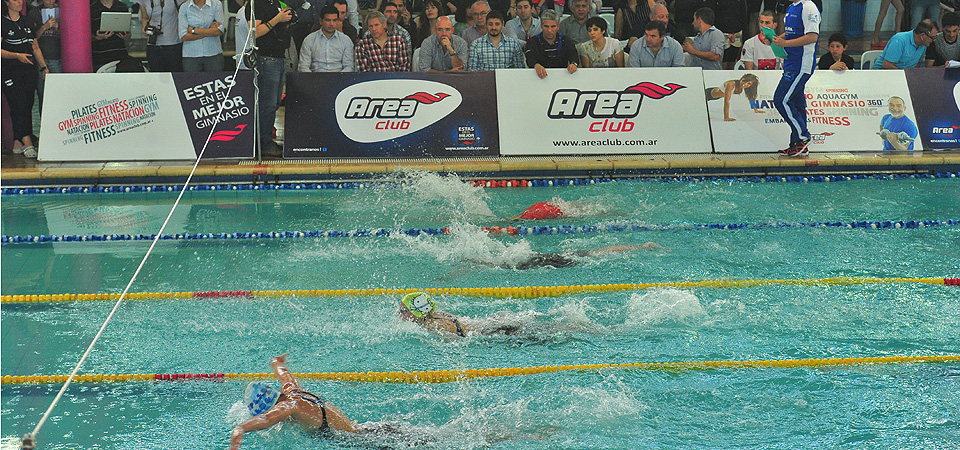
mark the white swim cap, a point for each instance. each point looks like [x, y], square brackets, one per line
[260, 396]
[420, 304]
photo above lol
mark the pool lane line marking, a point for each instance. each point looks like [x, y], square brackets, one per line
[447, 376]
[483, 292]
[502, 183]
[508, 230]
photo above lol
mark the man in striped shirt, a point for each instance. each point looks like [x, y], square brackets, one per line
[380, 52]
[494, 50]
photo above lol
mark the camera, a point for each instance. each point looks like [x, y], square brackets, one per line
[152, 33]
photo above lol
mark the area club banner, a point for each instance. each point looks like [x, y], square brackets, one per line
[146, 116]
[390, 115]
[600, 111]
[844, 110]
[936, 95]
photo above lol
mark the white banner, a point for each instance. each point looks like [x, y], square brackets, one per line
[844, 110]
[602, 111]
[114, 117]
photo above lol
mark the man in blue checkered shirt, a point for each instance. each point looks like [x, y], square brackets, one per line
[494, 50]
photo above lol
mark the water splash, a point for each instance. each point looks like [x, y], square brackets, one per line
[662, 306]
[427, 195]
[469, 243]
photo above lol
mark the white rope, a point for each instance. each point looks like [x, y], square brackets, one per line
[29, 440]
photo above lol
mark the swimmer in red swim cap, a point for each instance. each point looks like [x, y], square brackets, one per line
[540, 211]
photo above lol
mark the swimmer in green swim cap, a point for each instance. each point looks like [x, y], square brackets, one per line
[421, 309]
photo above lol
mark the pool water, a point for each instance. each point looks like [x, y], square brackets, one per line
[868, 406]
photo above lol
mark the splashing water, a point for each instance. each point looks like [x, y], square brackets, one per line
[427, 195]
[660, 306]
[469, 243]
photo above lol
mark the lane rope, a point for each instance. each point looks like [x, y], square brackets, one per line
[452, 375]
[508, 230]
[546, 182]
[482, 292]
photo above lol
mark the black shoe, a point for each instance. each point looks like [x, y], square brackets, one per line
[271, 152]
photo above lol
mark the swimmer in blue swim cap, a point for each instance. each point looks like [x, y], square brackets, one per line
[268, 406]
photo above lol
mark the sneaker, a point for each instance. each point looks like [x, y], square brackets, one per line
[789, 151]
[18, 150]
[30, 151]
[803, 147]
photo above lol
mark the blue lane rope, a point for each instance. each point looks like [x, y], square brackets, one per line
[520, 230]
[487, 183]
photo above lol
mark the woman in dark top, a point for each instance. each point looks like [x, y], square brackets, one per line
[22, 59]
[427, 21]
[630, 14]
[107, 46]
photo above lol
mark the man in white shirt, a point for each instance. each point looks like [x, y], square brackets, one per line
[327, 49]
[756, 53]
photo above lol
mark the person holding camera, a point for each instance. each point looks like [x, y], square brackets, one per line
[201, 25]
[272, 32]
[158, 20]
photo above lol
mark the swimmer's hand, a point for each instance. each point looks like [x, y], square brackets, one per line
[282, 359]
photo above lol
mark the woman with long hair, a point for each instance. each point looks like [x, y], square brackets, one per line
[22, 59]
[630, 14]
[747, 85]
[427, 21]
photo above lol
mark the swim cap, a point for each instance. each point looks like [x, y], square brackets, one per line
[420, 304]
[260, 396]
[542, 210]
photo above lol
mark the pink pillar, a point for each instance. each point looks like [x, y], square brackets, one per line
[75, 36]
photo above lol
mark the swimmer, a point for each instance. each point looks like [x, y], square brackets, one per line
[421, 309]
[569, 259]
[747, 84]
[541, 211]
[269, 406]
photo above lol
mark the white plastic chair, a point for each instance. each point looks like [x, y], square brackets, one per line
[868, 58]
[688, 60]
[610, 22]
[415, 64]
[739, 65]
[109, 67]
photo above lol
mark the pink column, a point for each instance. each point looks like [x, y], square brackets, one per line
[75, 36]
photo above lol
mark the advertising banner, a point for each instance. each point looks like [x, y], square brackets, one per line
[601, 111]
[390, 115]
[146, 116]
[846, 111]
[936, 95]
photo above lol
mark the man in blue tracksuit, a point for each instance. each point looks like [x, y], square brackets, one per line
[802, 29]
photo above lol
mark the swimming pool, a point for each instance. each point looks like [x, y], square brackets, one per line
[862, 406]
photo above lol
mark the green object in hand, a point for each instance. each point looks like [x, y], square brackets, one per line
[769, 33]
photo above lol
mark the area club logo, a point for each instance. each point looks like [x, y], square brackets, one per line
[946, 131]
[228, 135]
[381, 110]
[820, 138]
[607, 105]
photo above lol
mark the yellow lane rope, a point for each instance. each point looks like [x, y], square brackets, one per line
[487, 292]
[446, 376]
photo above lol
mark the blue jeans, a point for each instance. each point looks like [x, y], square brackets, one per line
[921, 9]
[203, 63]
[790, 101]
[271, 77]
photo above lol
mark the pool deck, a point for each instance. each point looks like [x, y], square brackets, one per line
[17, 171]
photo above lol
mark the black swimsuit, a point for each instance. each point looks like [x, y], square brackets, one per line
[316, 400]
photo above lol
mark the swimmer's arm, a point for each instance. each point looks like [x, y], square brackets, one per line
[257, 423]
[287, 381]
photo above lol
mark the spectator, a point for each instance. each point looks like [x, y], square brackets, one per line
[381, 52]
[924, 9]
[346, 26]
[907, 49]
[426, 22]
[48, 37]
[877, 44]
[479, 11]
[708, 46]
[241, 36]
[836, 58]
[462, 17]
[495, 51]
[730, 17]
[107, 46]
[404, 18]
[659, 12]
[656, 49]
[524, 26]
[504, 6]
[158, 20]
[757, 53]
[946, 47]
[683, 11]
[327, 49]
[444, 51]
[550, 49]
[272, 31]
[600, 50]
[575, 26]
[201, 25]
[543, 5]
[22, 59]
[630, 16]
[392, 13]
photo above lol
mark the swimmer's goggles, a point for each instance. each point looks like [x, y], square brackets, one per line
[420, 304]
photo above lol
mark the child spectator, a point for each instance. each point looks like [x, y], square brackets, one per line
[837, 58]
